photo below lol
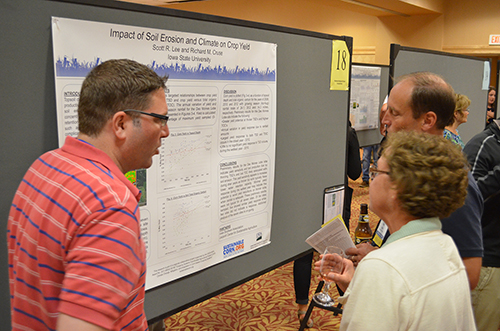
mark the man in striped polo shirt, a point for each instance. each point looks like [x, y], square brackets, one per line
[76, 257]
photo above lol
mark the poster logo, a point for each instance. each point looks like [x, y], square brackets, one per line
[234, 248]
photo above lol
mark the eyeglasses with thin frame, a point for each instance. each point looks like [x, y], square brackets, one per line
[374, 172]
[163, 118]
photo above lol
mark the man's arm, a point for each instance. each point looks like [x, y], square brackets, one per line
[473, 268]
[482, 156]
[489, 183]
[464, 227]
[66, 322]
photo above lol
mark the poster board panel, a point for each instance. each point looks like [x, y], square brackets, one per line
[310, 130]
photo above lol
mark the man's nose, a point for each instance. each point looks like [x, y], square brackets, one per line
[385, 120]
[165, 131]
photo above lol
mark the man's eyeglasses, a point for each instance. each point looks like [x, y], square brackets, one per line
[374, 172]
[163, 118]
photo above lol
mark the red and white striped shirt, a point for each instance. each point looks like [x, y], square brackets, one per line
[74, 243]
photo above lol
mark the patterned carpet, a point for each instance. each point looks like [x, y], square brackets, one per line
[265, 303]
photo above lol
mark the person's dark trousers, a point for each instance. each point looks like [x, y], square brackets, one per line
[157, 326]
[302, 278]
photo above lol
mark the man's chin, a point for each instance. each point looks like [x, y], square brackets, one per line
[147, 164]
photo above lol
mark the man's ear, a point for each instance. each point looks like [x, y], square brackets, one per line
[119, 123]
[430, 120]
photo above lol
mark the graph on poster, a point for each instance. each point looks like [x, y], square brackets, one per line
[184, 222]
[180, 159]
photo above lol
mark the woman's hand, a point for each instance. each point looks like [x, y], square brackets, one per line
[490, 114]
[342, 280]
[357, 253]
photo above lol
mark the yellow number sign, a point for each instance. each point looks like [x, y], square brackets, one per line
[340, 66]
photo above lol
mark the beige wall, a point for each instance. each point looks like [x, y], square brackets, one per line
[469, 23]
[464, 27]
[312, 15]
[422, 31]
[467, 27]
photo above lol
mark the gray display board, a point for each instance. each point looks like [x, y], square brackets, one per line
[310, 139]
[464, 73]
[373, 136]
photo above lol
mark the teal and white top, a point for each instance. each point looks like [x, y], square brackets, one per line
[455, 138]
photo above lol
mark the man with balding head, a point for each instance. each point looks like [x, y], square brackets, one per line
[424, 102]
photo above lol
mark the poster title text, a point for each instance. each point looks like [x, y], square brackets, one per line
[174, 39]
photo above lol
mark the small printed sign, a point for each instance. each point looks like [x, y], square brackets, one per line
[341, 63]
[495, 39]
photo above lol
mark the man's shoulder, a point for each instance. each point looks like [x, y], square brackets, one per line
[476, 141]
[473, 203]
[87, 179]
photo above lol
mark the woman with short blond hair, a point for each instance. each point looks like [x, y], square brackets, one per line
[462, 103]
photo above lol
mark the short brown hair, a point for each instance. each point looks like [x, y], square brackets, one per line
[429, 173]
[431, 93]
[113, 86]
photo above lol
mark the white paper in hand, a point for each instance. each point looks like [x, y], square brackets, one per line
[333, 233]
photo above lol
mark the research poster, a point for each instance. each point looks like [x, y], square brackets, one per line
[365, 95]
[208, 196]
